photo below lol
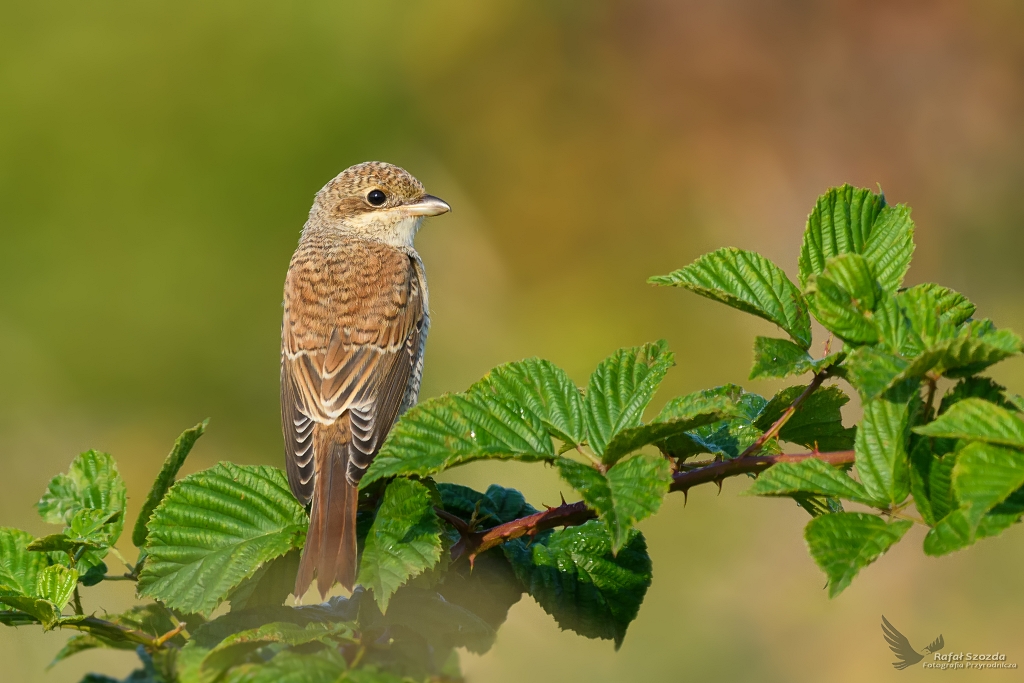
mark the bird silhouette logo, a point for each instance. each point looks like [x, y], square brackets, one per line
[901, 647]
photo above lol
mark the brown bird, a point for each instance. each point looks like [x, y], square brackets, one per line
[355, 324]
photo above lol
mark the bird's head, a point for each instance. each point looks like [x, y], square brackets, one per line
[377, 201]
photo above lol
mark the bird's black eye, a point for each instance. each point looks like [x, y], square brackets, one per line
[376, 197]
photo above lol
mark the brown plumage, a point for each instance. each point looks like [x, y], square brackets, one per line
[355, 324]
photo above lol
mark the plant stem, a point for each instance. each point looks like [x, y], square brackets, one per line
[78, 601]
[911, 518]
[716, 470]
[574, 514]
[109, 628]
[774, 430]
[159, 642]
[930, 400]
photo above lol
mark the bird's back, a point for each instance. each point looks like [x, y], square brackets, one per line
[355, 323]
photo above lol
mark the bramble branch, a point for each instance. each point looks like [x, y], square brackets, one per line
[716, 470]
[114, 631]
[774, 430]
[573, 514]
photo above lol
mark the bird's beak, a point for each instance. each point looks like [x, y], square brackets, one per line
[427, 205]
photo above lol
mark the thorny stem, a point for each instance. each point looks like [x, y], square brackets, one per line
[714, 471]
[91, 624]
[574, 514]
[774, 430]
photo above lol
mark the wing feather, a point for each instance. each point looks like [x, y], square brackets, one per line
[354, 315]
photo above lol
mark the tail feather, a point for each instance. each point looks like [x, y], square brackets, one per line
[330, 550]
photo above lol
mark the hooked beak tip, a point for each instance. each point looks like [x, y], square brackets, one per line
[428, 205]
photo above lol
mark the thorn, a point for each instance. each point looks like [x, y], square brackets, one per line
[472, 560]
[686, 495]
[719, 483]
[562, 496]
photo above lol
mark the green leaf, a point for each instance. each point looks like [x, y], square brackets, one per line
[270, 586]
[749, 282]
[841, 223]
[152, 619]
[923, 307]
[927, 342]
[950, 304]
[440, 624]
[811, 476]
[458, 428]
[975, 419]
[728, 437]
[91, 483]
[620, 389]
[890, 246]
[976, 387]
[849, 220]
[543, 388]
[19, 567]
[976, 347]
[873, 371]
[940, 485]
[404, 541]
[175, 459]
[575, 577]
[79, 643]
[881, 445]
[234, 649]
[728, 399]
[61, 543]
[55, 584]
[488, 589]
[782, 358]
[324, 666]
[628, 492]
[817, 505]
[931, 467]
[817, 422]
[497, 506]
[983, 477]
[40, 609]
[843, 298]
[680, 415]
[214, 529]
[845, 542]
[894, 328]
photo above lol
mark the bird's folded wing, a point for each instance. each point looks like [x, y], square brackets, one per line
[350, 342]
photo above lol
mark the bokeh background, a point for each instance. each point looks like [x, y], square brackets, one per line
[157, 161]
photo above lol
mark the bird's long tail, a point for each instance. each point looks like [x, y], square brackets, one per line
[330, 550]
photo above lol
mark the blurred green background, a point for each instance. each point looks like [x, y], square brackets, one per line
[157, 161]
